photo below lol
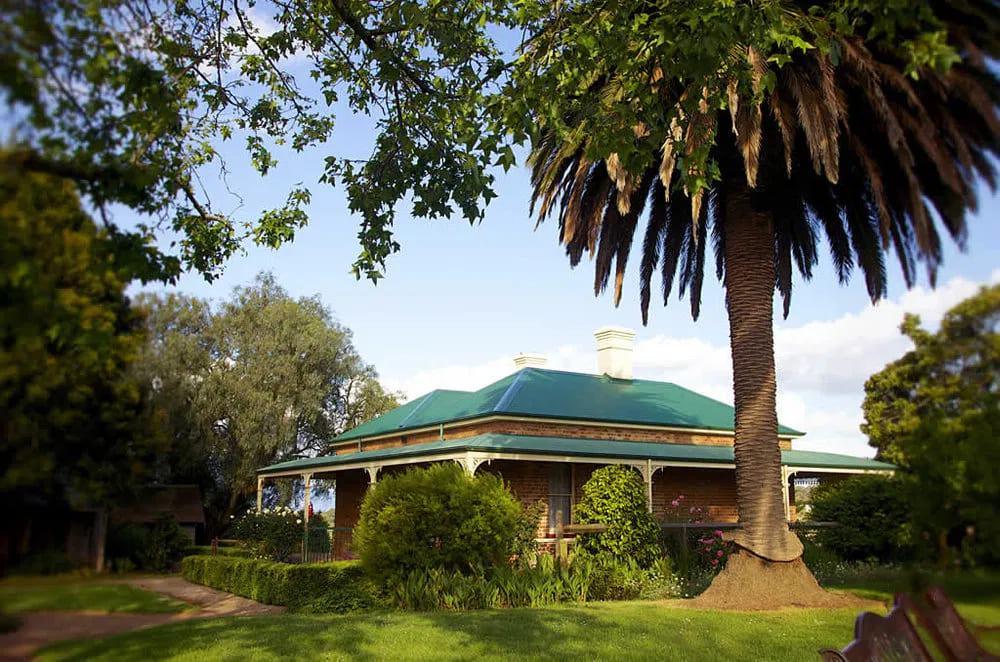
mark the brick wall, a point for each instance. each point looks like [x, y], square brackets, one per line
[350, 490]
[550, 429]
[711, 490]
[529, 481]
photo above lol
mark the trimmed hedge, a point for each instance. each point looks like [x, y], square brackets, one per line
[206, 550]
[338, 587]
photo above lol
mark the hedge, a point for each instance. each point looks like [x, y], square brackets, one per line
[338, 587]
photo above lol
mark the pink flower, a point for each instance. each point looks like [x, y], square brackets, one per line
[719, 553]
[697, 521]
[674, 503]
[715, 562]
[717, 532]
[681, 496]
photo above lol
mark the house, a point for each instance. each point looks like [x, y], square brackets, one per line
[545, 431]
[182, 502]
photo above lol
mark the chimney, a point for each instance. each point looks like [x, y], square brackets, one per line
[530, 361]
[614, 351]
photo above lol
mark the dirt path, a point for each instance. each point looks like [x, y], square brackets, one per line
[42, 628]
[212, 603]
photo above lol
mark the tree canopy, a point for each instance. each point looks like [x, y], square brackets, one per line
[73, 427]
[935, 412]
[131, 98]
[261, 378]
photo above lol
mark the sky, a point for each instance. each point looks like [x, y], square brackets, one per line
[459, 301]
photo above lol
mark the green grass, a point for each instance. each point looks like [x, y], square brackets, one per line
[620, 630]
[624, 630]
[37, 596]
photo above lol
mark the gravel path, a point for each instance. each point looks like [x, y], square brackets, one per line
[42, 628]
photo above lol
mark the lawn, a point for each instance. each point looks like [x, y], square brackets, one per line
[615, 630]
[21, 596]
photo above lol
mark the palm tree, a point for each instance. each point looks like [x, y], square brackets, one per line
[854, 150]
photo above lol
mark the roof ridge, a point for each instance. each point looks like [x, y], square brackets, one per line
[424, 400]
[504, 402]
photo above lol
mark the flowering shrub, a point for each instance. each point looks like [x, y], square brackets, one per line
[700, 554]
[713, 550]
[680, 510]
[271, 534]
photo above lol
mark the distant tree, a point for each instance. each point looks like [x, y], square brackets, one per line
[72, 423]
[872, 516]
[936, 413]
[263, 378]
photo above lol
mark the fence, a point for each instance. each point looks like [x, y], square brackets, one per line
[682, 530]
[332, 543]
[319, 545]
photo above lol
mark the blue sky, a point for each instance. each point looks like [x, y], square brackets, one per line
[459, 302]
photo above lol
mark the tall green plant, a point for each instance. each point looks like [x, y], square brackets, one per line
[615, 495]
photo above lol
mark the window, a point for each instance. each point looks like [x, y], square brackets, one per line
[559, 493]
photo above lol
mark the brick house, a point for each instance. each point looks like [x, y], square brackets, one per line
[545, 431]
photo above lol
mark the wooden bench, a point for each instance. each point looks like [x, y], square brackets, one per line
[881, 639]
[949, 631]
[894, 637]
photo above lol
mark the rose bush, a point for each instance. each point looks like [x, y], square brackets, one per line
[271, 534]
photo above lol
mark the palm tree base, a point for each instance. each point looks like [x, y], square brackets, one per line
[749, 582]
[775, 543]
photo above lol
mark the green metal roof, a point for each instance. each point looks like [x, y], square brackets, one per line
[573, 447]
[554, 394]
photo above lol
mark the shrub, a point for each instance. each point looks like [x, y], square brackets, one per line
[271, 534]
[871, 513]
[437, 517]
[318, 535]
[158, 546]
[615, 495]
[126, 542]
[166, 543]
[338, 587]
[613, 579]
[44, 563]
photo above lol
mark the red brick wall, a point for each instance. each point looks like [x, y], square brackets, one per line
[549, 429]
[711, 490]
[529, 481]
[350, 490]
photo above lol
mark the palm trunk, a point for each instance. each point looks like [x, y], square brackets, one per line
[750, 277]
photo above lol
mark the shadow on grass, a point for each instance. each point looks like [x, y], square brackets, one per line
[631, 631]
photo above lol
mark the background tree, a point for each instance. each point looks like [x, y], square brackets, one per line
[72, 425]
[935, 412]
[263, 378]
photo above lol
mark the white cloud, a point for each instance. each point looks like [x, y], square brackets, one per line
[822, 365]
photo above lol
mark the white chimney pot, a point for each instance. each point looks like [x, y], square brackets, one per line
[614, 351]
[530, 361]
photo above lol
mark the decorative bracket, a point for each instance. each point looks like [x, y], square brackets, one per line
[646, 469]
[470, 463]
[373, 473]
